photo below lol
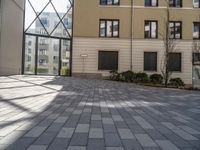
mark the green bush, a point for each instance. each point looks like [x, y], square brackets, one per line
[176, 82]
[156, 79]
[141, 77]
[129, 76]
[120, 77]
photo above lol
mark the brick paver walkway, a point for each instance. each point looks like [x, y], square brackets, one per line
[38, 113]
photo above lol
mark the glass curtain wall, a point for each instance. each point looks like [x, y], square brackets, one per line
[48, 35]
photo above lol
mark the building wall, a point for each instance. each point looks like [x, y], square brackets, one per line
[11, 36]
[87, 41]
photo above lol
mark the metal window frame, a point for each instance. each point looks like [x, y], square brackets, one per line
[106, 1]
[150, 23]
[174, 27]
[105, 35]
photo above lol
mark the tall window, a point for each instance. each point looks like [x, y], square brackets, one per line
[108, 60]
[150, 61]
[109, 28]
[196, 3]
[196, 30]
[175, 29]
[150, 29]
[175, 3]
[109, 2]
[152, 3]
[175, 62]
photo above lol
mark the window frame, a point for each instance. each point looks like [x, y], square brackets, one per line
[156, 61]
[175, 5]
[179, 70]
[193, 30]
[151, 3]
[103, 69]
[151, 30]
[106, 20]
[174, 27]
[194, 5]
[106, 1]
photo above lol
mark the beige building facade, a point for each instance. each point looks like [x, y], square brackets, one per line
[131, 42]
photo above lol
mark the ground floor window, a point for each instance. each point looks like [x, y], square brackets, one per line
[108, 60]
[196, 58]
[175, 62]
[150, 61]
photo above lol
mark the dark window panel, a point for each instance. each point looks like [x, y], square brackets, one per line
[108, 60]
[150, 61]
[175, 62]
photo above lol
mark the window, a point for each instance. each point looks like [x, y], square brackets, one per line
[196, 3]
[109, 2]
[175, 29]
[175, 62]
[29, 43]
[151, 29]
[175, 3]
[109, 28]
[150, 61]
[152, 3]
[196, 30]
[196, 58]
[108, 60]
[44, 21]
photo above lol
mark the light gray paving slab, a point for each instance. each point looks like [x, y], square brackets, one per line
[76, 148]
[145, 140]
[114, 148]
[66, 133]
[143, 123]
[35, 132]
[82, 128]
[166, 145]
[37, 147]
[96, 133]
[125, 134]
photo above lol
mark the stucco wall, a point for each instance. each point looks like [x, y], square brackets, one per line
[11, 36]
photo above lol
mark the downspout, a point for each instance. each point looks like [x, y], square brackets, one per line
[131, 50]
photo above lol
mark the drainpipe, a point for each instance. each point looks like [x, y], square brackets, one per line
[131, 50]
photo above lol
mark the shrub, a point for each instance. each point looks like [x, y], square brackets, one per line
[156, 79]
[129, 76]
[113, 75]
[176, 82]
[120, 77]
[141, 77]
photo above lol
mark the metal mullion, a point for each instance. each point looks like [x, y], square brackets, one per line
[36, 14]
[36, 55]
[112, 28]
[59, 65]
[60, 19]
[39, 18]
[46, 36]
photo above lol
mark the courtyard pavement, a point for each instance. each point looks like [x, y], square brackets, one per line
[55, 113]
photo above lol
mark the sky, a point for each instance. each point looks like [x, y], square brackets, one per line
[38, 5]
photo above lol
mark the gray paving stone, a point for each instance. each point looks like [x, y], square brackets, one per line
[114, 148]
[145, 140]
[96, 144]
[142, 122]
[166, 145]
[76, 148]
[112, 140]
[125, 134]
[37, 147]
[82, 128]
[79, 139]
[96, 133]
[66, 133]
[35, 132]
